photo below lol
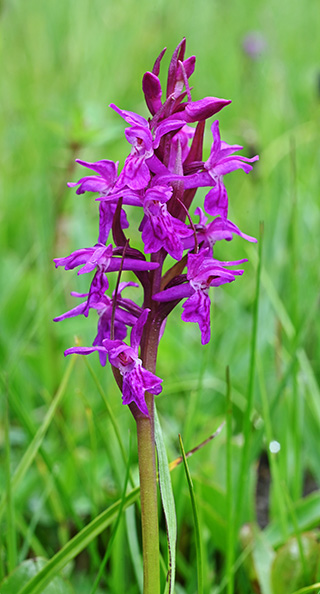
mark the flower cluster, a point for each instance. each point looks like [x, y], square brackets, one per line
[160, 176]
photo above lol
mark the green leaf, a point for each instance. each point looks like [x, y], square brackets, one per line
[195, 518]
[288, 572]
[263, 556]
[26, 571]
[167, 502]
[77, 544]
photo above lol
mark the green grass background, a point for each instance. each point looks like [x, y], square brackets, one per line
[62, 64]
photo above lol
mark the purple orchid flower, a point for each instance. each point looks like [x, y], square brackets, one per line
[136, 379]
[103, 183]
[161, 174]
[159, 228]
[209, 234]
[123, 317]
[203, 272]
[221, 162]
[101, 258]
[126, 314]
[136, 173]
[180, 142]
[106, 213]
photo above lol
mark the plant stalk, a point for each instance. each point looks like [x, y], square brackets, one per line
[149, 503]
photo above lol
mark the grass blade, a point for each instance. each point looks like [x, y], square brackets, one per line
[167, 501]
[195, 519]
[36, 442]
[230, 525]
[11, 533]
[134, 548]
[308, 589]
[247, 416]
[114, 532]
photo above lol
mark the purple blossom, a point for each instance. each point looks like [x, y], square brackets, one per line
[101, 258]
[159, 228]
[222, 161]
[123, 318]
[106, 214]
[136, 379]
[180, 142]
[136, 173]
[161, 175]
[126, 314]
[203, 272]
[254, 44]
[103, 183]
[209, 234]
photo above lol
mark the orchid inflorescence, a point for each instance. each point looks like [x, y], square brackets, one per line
[160, 176]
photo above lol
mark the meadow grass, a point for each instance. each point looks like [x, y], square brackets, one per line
[64, 434]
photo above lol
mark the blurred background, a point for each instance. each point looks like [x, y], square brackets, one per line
[62, 65]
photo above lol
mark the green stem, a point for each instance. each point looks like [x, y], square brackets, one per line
[146, 444]
[149, 503]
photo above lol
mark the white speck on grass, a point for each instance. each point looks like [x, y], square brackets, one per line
[274, 447]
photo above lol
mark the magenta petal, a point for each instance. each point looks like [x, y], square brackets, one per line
[135, 383]
[132, 391]
[75, 259]
[202, 217]
[75, 311]
[83, 350]
[161, 229]
[105, 168]
[189, 66]
[137, 330]
[106, 213]
[197, 309]
[232, 163]
[151, 87]
[130, 197]
[156, 66]
[141, 138]
[90, 183]
[173, 293]
[130, 117]
[204, 108]
[131, 264]
[164, 128]
[216, 201]
[135, 173]
[215, 148]
[224, 229]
